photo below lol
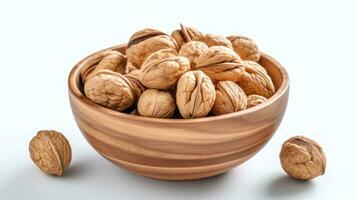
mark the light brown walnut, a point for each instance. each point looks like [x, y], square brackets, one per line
[229, 98]
[109, 59]
[134, 78]
[195, 94]
[184, 35]
[255, 80]
[213, 40]
[145, 42]
[50, 151]
[254, 100]
[162, 69]
[302, 158]
[110, 89]
[245, 48]
[156, 103]
[221, 64]
[192, 50]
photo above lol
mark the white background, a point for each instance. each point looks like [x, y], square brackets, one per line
[40, 41]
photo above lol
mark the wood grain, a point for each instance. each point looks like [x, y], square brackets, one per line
[179, 149]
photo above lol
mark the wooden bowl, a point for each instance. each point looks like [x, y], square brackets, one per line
[179, 149]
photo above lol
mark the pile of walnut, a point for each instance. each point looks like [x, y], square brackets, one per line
[200, 73]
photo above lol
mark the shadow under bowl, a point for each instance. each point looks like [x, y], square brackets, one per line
[179, 149]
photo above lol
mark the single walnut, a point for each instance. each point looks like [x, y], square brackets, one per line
[50, 151]
[134, 78]
[145, 42]
[255, 80]
[229, 98]
[245, 48]
[185, 34]
[108, 59]
[110, 89]
[195, 94]
[192, 50]
[155, 103]
[221, 64]
[162, 69]
[254, 100]
[213, 40]
[302, 158]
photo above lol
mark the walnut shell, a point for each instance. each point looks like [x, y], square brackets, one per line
[50, 151]
[145, 42]
[192, 50]
[255, 80]
[302, 158]
[162, 69]
[109, 59]
[229, 98]
[110, 89]
[195, 94]
[254, 100]
[245, 48]
[155, 103]
[185, 34]
[213, 40]
[134, 78]
[221, 64]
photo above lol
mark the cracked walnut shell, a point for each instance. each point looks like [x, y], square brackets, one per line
[155, 103]
[213, 40]
[192, 50]
[110, 89]
[195, 94]
[229, 98]
[302, 158]
[245, 48]
[145, 42]
[162, 69]
[254, 100]
[184, 35]
[50, 151]
[221, 64]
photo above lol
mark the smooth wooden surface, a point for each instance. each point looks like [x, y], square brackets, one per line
[179, 149]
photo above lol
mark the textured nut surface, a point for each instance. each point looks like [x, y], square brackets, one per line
[110, 89]
[213, 40]
[245, 48]
[50, 151]
[185, 34]
[255, 80]
[145, 42]
[302, 158]
[162, 69]
[192, 50]
[155, 103]
[109, 59]
[254, 100]
[134, 78]
[221, 64]
[195, 94]
[229, 98]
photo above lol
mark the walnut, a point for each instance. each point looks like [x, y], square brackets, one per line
[134, 78]
[255, 80]
[302, 158]
[192, 50]
[110, 89]
[155, 103]
[245, 48]
[254, 100]
[145, 42]
[213, 40]
[50, 151]
[195, 94]
[229, 98]
[109, 59]
[162, 69]
[221, 64]
[185, 34]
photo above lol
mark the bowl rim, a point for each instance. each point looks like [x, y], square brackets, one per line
[75, 91]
